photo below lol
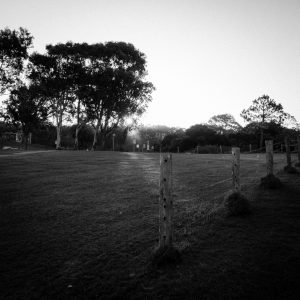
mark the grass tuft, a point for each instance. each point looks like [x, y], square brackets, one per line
[236, 204]
[270, 182]
[165, 256]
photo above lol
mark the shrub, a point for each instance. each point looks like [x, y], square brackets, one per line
[270, 182]
[236, 204]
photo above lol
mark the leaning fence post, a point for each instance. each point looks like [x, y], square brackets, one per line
[288, 152]
[165, 201]
[236, 169]
[269, 157]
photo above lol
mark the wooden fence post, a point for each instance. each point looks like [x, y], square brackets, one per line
[165, 202]
[269, 157]
[288, 152]
[250, 148]
[236, 169]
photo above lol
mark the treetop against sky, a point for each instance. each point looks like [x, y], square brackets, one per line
[204, 57]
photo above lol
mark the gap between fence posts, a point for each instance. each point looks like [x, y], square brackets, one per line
[269, 157]
[165, 201]
[236, 169]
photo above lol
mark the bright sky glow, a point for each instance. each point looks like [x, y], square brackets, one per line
[205, 57]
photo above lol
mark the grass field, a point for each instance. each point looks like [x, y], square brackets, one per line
[83, 225]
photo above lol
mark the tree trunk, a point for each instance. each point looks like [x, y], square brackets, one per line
[78, 127]
[58, 131]
[95, 139]
[102, 142]
[26, 136]
[76, 147]
[58, 136]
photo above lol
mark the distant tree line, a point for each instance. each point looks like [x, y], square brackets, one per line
[219, 134]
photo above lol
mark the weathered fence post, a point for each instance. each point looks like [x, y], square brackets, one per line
[235, 202]
[269, 157]
[165, 202]
[236, 169]
[270, 181]
[288, 152]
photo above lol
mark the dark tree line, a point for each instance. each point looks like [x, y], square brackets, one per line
[99, 85]
[222, 131]
[96, 87]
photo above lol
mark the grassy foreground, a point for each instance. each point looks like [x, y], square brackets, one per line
[83, 225]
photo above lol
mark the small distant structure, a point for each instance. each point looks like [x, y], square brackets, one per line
[7, 138]
[19, 137]
[10, 138]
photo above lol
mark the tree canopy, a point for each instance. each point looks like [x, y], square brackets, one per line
[114, 86]
[224, 123]
[24, 110]
[14, 45]
[264, 110]
[101, 84]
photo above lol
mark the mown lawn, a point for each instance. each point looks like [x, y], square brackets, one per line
[83, 225]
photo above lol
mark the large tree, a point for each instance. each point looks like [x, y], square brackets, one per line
[55, 76]
[14, 45]
[101, 84]
[76, 55]
[264, 110]
[25, 111]
[105, 84]
[116, 87]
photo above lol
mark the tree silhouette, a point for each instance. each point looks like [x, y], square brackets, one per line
[262, 111]
[224, 123]
[25, 111]
[14, 47]
[115, 86]
[54, 74]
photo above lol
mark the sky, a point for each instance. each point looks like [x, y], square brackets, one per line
[205, 57]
